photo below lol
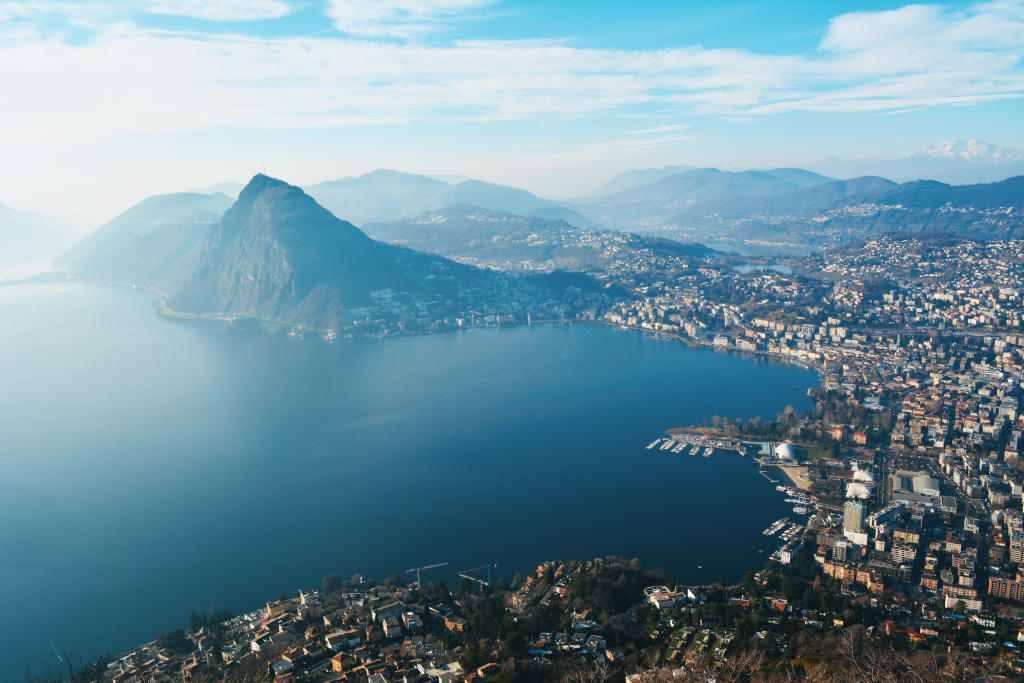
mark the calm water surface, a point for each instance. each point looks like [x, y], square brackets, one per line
[149, 467]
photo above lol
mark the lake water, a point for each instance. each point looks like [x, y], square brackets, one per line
[150, 467]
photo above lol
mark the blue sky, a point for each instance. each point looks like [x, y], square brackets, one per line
[111, 100]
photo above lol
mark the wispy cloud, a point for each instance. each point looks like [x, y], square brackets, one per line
[98, 13]
[660, 129]
[128, 81]
[397, 18]
[220, 10]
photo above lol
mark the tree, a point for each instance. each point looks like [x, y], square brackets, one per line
[176, 640]
[440, 593]
[330, 584]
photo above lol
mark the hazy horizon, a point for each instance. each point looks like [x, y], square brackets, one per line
[107, 104]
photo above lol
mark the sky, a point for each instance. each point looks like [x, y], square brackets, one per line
[106, 102]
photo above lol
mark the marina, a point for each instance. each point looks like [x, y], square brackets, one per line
[788, 531]
[775, 527]
[689, 443]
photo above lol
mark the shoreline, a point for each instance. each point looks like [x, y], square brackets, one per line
[791, 472]
[278, 327]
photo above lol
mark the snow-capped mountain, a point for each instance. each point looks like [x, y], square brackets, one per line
[959, 162]
[972, 150]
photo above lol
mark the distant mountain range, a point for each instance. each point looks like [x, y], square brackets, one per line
[276, 256]
[794, 209]
[32, 237]
[385, 195]
[277, 253]
[651, 206]
[148, 244]
[505, 241]
[637, 177]
[956, 161]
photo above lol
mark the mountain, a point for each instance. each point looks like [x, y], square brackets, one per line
[637, 177]
[386, 195]
[227, 188]
[279, 257]
[652, 205]
[800, 177]
[840, 211]
[798, 202]
[29, 239]
[381, 195]
[147, 244]
[984, 211]
[502, 240]
[966, 162]
[972, 150]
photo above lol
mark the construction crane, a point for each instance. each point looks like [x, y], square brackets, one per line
[423, 569]
[467, 574]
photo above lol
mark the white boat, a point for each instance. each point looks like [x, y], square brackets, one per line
[653, 444]
[708, 451]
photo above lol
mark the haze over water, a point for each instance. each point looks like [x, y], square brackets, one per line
[149, 467]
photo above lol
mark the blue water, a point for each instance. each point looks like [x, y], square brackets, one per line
[151, 467]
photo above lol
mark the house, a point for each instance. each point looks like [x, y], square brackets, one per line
[340, 640]
[395, 608]
[453, 623]
[392, 627]
[488, 670]
[413, 623]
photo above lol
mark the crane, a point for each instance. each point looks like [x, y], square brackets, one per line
[422, 569]
[467, 574]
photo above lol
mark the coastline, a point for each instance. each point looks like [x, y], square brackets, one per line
[278, 326]
[792, 473]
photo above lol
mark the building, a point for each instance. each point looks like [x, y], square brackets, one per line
[1006, 589]
[853, 516]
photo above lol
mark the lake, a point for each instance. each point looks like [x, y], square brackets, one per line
[151, 467]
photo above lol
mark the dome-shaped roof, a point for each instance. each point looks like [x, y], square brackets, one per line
[863, 475]
[858, 489]
[784, 451]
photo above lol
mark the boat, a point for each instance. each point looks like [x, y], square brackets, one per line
[653, 444]
[708, 451]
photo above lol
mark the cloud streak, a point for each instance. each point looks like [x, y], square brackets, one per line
[397, 18]
[126, 80]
